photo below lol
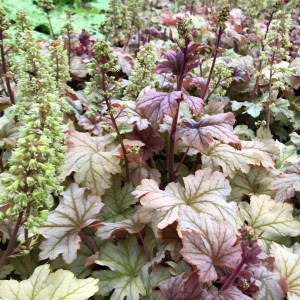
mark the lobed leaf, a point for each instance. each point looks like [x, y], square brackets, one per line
[207, 244]
[273, 220]
[42, 285]
[125, 261]
[91, 160]
[286, 183]
[287, 265]
[204, 192]
[61, 231]
[200, 134]
[155, 105]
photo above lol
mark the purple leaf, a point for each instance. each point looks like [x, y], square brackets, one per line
[200, 134]
[156, 105]
[153, 142]
[179, 288]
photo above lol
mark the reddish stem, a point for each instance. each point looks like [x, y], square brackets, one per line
[144, 246]
[234, 275]
[182, 160]
[260, 62]
[213, 63]
[88, 240]
[11, 242]
[175, 120]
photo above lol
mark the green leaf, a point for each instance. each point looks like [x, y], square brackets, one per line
[281, 109]
[256, 182]
[125, 261]
[153, 279]
[204, 192]
[61, 231]
[118, 202]
[244, 132]
[42, 285]
[274, 220]
[92, 159]
[252, 108]
[288, 155]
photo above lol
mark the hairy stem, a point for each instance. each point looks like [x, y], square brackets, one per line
[27, 212]
[260, 61]
[213, 63]
[107, 101]
[270, 92]
[11, 242]
[234, 275]
[50, 25]
[4, 69]
[175, 120]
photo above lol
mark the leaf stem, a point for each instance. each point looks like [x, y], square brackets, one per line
[182, 160]
[11, 242]
[88, 240]
[144, 246]
[220, 31]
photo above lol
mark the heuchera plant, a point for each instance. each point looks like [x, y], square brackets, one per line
[157, 162]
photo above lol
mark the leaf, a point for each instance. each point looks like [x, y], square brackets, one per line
[182, 287]
[131, 225]
[137, 173]
[78, 69]
[286, 183]
[125, 261]
[287, 265]
[118, 202]
[256, 182]
[91, 161]
[295, 138]
[204, 192]
[212, 245]
[232, 293]
[200, 134]
[252, 108]
[281, 109]
[273, 220]
[153, 142]
[155, 105]
[269, 288]
[229, 159]
[9, 134]
[244, 132]
[154, 278]
[169, 239]
[124, 60]
[61, 231]
[266, 148]
[42, 285]
[288, 155]
[131, 115]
